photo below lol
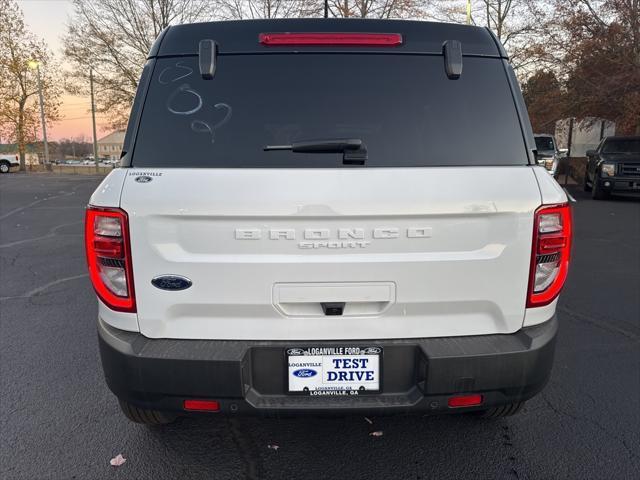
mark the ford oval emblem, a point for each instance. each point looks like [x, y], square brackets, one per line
[305, 373]
[171, 282]
[372, 350]
[143, 179]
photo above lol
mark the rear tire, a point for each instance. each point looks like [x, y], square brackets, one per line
[597, 193]
[501, 411]
[144, 416]
[5, 167]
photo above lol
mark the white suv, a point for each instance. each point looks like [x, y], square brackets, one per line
[327, 216]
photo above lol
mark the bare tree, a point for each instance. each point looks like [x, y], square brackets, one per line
[19, 109]
[515, 26]
[512, 21]
[254, 9]
[378, 8]
[241, 9]
[113, 37]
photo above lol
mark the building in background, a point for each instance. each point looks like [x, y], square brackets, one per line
[585, 134]
[111, 145]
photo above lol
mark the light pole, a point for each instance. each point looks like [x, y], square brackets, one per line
[35, 65]
[326, 8]
[93, 120]
[468, 12]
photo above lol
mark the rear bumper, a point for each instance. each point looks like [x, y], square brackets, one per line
[249, 376]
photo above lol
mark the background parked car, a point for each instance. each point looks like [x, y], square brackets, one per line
[548, 154]
[109, 162]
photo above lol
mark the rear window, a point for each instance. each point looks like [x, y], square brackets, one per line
[544, 143]
[403, 107]
[622, 145]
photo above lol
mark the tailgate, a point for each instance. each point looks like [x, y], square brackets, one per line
[409, 252]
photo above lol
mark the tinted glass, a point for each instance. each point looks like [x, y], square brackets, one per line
[137, 105]
[403, 107]
[544, 143]
[630, 145]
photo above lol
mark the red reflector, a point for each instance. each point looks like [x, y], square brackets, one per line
[332, 38]
[202, 405]
[108, 247]
[465, 401]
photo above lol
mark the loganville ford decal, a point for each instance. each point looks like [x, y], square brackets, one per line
[135, 173]
[339, 370]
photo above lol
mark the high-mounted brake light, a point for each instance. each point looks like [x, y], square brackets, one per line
[332, 38]
[551, 249]
[109, 257]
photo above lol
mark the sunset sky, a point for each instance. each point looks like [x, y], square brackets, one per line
[47, 20]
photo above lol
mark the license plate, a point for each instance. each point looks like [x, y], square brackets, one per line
[333, 371]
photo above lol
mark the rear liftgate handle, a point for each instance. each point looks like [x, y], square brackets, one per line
[333, 308]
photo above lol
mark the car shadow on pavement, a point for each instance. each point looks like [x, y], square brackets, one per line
[346, 446]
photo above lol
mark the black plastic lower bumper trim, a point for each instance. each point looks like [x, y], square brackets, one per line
[249, 376]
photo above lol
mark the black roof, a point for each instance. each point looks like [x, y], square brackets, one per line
[242, 36]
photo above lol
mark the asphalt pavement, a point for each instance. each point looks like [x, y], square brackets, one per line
[59, 421]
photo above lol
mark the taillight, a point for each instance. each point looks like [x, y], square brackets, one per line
[332, 38]
[550, 253]
[109, 257]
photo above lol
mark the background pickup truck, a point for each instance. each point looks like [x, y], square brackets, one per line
[7, 162]
[614, 168]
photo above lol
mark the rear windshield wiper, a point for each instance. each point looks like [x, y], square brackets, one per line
[353, 150]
